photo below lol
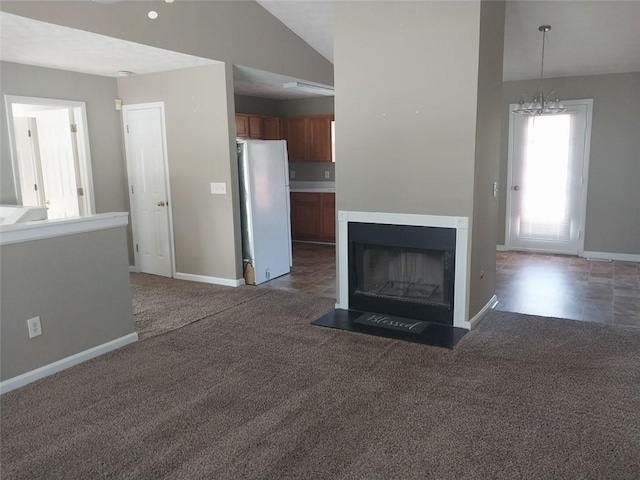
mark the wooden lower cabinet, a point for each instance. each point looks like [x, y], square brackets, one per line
[313, 217]
[328, 217]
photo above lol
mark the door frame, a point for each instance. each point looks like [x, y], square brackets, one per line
[588, 102]
[82, 144]
[167, 182]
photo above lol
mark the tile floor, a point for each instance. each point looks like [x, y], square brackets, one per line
[532, 283]
[568, 287]
[314, 271]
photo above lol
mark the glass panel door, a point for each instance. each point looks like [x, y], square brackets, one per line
[547, 181]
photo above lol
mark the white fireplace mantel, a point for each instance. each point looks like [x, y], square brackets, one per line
[461, 224]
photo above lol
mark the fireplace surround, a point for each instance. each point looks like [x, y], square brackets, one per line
[405, 265]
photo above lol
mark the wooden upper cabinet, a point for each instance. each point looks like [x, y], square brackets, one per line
[255, 126]
[248, 126]
[297, 137]
[320, 139]
[271, 128]
[242, 126]
[309, 138]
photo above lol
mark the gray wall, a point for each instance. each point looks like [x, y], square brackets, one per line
[240, 32]
[298, 107]
[405, 106]
[485, 205]
[77, 284]
[258, 106]
[105, 131]
[201, 149]
[612, 223]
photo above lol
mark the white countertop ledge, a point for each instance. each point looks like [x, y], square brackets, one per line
[312, 190]
[312, 187]
[38, 230]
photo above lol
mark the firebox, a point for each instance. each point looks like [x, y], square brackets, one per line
[402, 270]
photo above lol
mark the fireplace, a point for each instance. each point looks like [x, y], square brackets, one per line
[404, 265]
[402, 270]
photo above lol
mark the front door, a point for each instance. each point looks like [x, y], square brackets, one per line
[548, 169]
[148, 188]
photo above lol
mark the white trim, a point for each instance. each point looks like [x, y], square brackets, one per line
[29, 231]
[508, 186]
[50, 369]
[620, 257]
[133, 269]
[80, 116]
[493, 301]
[461, 224]
[585, 168]
[228, 282]
[549, 251]
[141, 106]
[501, 248]
[588, 103]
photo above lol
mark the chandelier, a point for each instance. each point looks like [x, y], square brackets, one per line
[541, 104]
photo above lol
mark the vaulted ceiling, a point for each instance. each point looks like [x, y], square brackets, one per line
[587, 38]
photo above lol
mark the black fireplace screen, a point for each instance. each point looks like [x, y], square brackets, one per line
[402, 273]
[400, 270]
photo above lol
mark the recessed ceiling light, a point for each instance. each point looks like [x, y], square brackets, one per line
[168, 1]
[152, 14]
[125, 73]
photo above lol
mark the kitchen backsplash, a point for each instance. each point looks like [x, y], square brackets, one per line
[312, 171]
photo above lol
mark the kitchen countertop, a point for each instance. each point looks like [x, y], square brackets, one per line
[312, 187]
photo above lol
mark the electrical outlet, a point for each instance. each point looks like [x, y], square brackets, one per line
[292, 174]
[495, 189]
[218, 188]
[34, 326]
[326, 174]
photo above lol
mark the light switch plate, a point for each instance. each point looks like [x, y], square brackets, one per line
[218, 188]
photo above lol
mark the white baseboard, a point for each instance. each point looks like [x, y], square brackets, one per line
[501, 248]
[620, 257]
[493, 301]
[228, 282]
[45, 371]
[133, 269]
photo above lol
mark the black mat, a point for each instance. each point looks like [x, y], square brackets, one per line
[435, 334]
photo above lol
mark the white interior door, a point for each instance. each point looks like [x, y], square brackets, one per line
[27, 151]
[148, 187]
[548, 169]
[58, 162]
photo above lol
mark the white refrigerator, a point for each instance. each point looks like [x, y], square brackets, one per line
[263, 169]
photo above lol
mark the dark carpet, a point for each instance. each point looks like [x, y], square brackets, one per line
[256, 392]
[163, 304]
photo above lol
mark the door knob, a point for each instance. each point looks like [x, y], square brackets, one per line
[161, 203]
[516, 188]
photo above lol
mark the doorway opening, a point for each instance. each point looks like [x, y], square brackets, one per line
[49, 144]
[548, 170]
